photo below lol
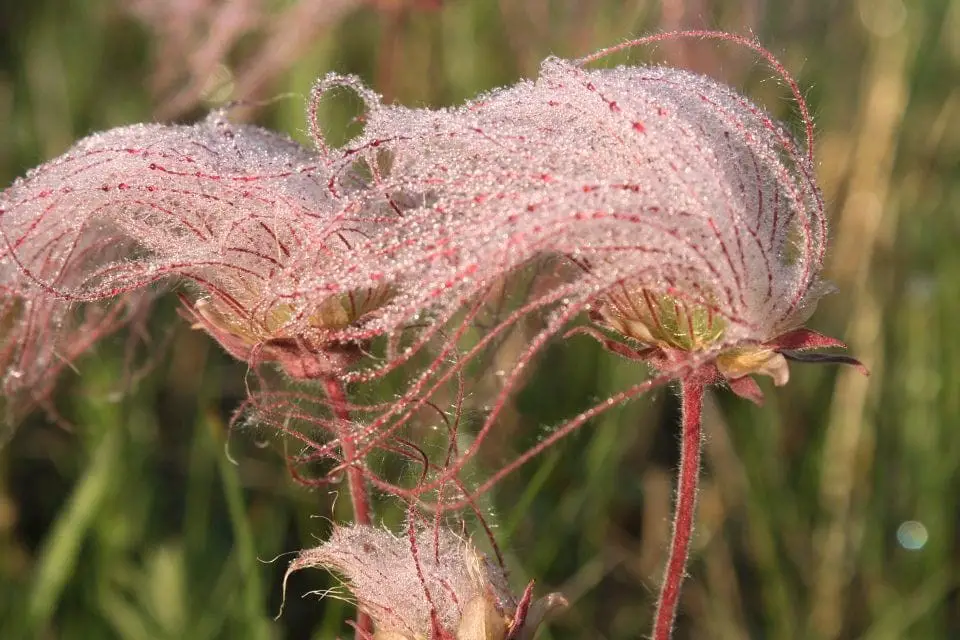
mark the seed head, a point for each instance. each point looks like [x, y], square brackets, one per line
[430, 585]
[245, 219]
[692, 217]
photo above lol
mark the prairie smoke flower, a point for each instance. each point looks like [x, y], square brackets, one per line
[681, 215]
[431, 584]
[692, 216]
[241, 214]
[690, 222]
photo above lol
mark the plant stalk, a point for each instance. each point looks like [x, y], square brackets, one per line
[691, 398]
[356, 484]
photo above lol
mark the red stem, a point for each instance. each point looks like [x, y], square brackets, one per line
[691, 398]
[356, 484]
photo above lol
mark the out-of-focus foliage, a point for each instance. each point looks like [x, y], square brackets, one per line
[832, 512]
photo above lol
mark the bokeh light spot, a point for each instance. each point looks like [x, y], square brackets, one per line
[912, 535]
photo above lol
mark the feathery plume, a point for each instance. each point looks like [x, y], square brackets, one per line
[429, 584]
[683, 217]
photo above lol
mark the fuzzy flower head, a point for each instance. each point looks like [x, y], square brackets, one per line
[430, 585]
[239, 216]
[690, 218]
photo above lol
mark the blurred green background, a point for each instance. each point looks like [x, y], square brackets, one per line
[833, 512]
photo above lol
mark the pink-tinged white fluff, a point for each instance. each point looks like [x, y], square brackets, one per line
[680, 214]
[650, 178]
[230, 209]
[429, 584]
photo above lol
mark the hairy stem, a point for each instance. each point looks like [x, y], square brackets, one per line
[356, 484]
[691, 397]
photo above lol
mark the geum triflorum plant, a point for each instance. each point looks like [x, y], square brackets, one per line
[680, 218]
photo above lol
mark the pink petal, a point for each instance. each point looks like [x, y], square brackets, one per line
[747, 387]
